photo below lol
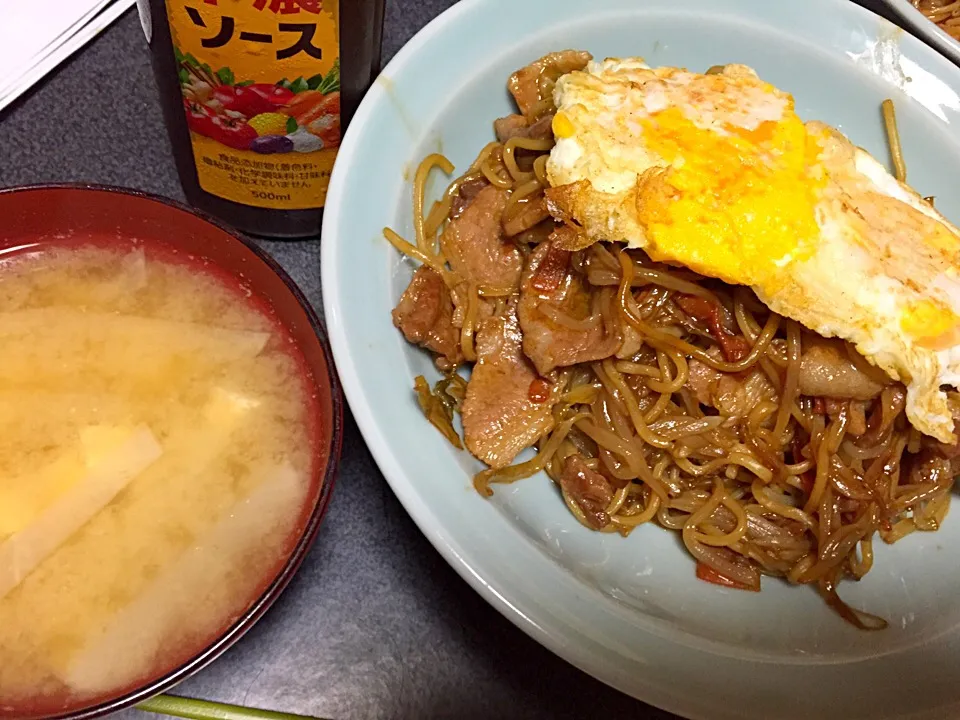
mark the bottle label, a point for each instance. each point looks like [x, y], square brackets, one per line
[261, 92]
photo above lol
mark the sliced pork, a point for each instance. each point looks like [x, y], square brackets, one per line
[508, 406]
[475, 245]
[467, 191]
[561, 320]
[513, 126]
[530, 214]
[826, 370]
[425, 315]
[733, 395]
[532, 86]
[589, 489]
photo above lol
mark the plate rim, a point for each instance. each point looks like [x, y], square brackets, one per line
[464, 559]
[925, 30]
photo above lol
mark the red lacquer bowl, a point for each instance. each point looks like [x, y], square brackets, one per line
[64, 214]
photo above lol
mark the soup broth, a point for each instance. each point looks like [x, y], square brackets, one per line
[155, 467]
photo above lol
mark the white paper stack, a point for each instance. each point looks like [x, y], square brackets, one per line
[37, 36]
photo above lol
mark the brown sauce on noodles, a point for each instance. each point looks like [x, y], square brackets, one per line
[945, 13]
[701, 427]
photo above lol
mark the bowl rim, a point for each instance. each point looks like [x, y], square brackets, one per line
[226, 639]
[925, 29]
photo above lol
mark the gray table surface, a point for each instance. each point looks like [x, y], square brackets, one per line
[375, 625]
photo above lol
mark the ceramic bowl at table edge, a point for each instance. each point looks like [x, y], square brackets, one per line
[402, 119]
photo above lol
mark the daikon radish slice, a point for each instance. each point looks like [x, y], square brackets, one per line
[162, 512]
[57, 340]
[24, 497]
[189, 591]
[109, 472]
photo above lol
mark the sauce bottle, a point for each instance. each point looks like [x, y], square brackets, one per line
[256, 95]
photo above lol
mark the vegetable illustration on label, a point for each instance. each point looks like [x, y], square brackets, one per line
[235, 58]
[283, 107]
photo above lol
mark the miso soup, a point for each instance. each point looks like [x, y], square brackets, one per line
[156, 450]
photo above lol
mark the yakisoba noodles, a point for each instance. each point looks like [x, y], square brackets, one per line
[762, 481]
[945, 13]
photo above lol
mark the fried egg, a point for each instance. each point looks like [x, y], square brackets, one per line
[716, 172]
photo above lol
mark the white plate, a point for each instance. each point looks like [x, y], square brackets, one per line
[630, 611]
[924, 29]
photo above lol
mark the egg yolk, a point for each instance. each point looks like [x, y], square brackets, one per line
[931, 323]
[562, 126]
[734, 203]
